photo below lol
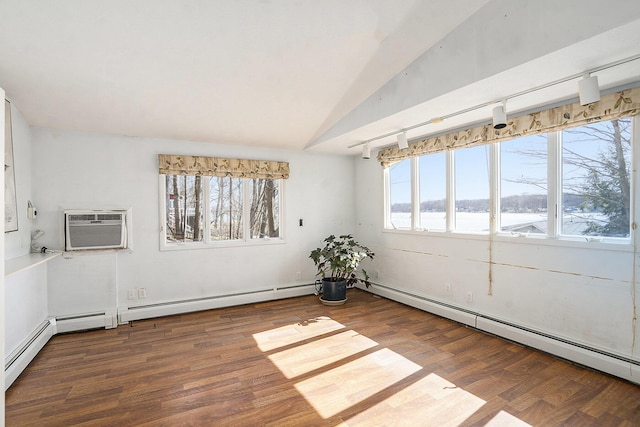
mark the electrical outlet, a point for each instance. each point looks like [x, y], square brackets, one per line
[469, 296]
[298, 275]
[447, 287]
[132, 294]
[142, 293]
[377, 274]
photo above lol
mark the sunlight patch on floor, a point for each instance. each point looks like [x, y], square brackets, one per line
[431, 400]
[340, 388]
[322, 352]
[505, 419]
[291, 334]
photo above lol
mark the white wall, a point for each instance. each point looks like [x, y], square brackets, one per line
[18, 243]
[25, 292]
[580, 291]
[2, 282]
[91, 171]
[26, 308]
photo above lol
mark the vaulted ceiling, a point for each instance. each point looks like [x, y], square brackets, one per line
[318, 75]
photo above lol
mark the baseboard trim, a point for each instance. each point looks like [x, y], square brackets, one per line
[169, 308]
[83, 322]
[604, 361]
[20, 358]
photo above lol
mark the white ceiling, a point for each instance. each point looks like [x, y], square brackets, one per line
[269, 73]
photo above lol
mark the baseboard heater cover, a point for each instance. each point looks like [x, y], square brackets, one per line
[83, 322]
[18, 360]
[208, 303]
[583, 355]
[449, 311]
[604, 361]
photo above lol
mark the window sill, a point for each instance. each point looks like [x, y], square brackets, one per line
[220, 244]
[621, 245]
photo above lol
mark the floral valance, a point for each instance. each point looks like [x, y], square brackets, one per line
[611, 106]
[170, 164]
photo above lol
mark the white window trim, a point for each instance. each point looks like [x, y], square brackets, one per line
[207, 242]
[554, 237]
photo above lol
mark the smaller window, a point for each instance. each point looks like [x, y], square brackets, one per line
[400, 195]
[225, 202]
[433, 192]
[236, 209]
[264, 208]
[472, 188]
[523, 185]
[596, 193]
[183, 208]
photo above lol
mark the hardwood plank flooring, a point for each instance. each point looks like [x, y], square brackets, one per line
[296, 362]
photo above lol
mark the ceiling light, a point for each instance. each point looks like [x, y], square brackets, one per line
[402, 141]
[499, 116]
[366, 151]
[589, 90]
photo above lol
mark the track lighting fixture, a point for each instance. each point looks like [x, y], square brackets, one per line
[402, 141]
[366, 151]
[500, 116]
[588, 89]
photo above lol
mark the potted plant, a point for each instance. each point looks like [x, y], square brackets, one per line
[337, 263]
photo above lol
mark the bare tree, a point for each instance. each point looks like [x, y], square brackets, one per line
[197, 202]
[178, 231]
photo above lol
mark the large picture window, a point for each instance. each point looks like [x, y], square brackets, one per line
[571, 184]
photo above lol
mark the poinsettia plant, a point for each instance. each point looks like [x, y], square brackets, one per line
[340, 258]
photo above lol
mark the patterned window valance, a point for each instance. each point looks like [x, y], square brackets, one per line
[612, 106]
[170, 164]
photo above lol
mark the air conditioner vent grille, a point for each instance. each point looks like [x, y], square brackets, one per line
[95, 230]
[82, 217]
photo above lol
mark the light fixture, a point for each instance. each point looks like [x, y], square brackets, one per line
[366, 151]
[501, 111]
[499, 116]
[402, 141]
[588, 89]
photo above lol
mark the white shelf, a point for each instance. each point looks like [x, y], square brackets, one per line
[21, 263]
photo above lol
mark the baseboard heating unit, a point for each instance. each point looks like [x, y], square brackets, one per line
[18, 360]
[618, 365]
[83, 322]
[169, 308]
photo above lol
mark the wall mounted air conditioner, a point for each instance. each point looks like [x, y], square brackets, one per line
[86, 230]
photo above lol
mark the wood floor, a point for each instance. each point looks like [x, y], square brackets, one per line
[295, 362]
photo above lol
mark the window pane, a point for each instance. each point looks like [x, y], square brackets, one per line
[400, 194]
[596, 162]
[433, 192]
[472, 188]
[523, 185]
[184, 208]
[226, 208]
[264, 208]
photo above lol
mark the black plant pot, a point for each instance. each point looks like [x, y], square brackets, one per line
[334, 292]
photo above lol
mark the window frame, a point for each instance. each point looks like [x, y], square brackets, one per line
[554, 193]
[207, 242]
